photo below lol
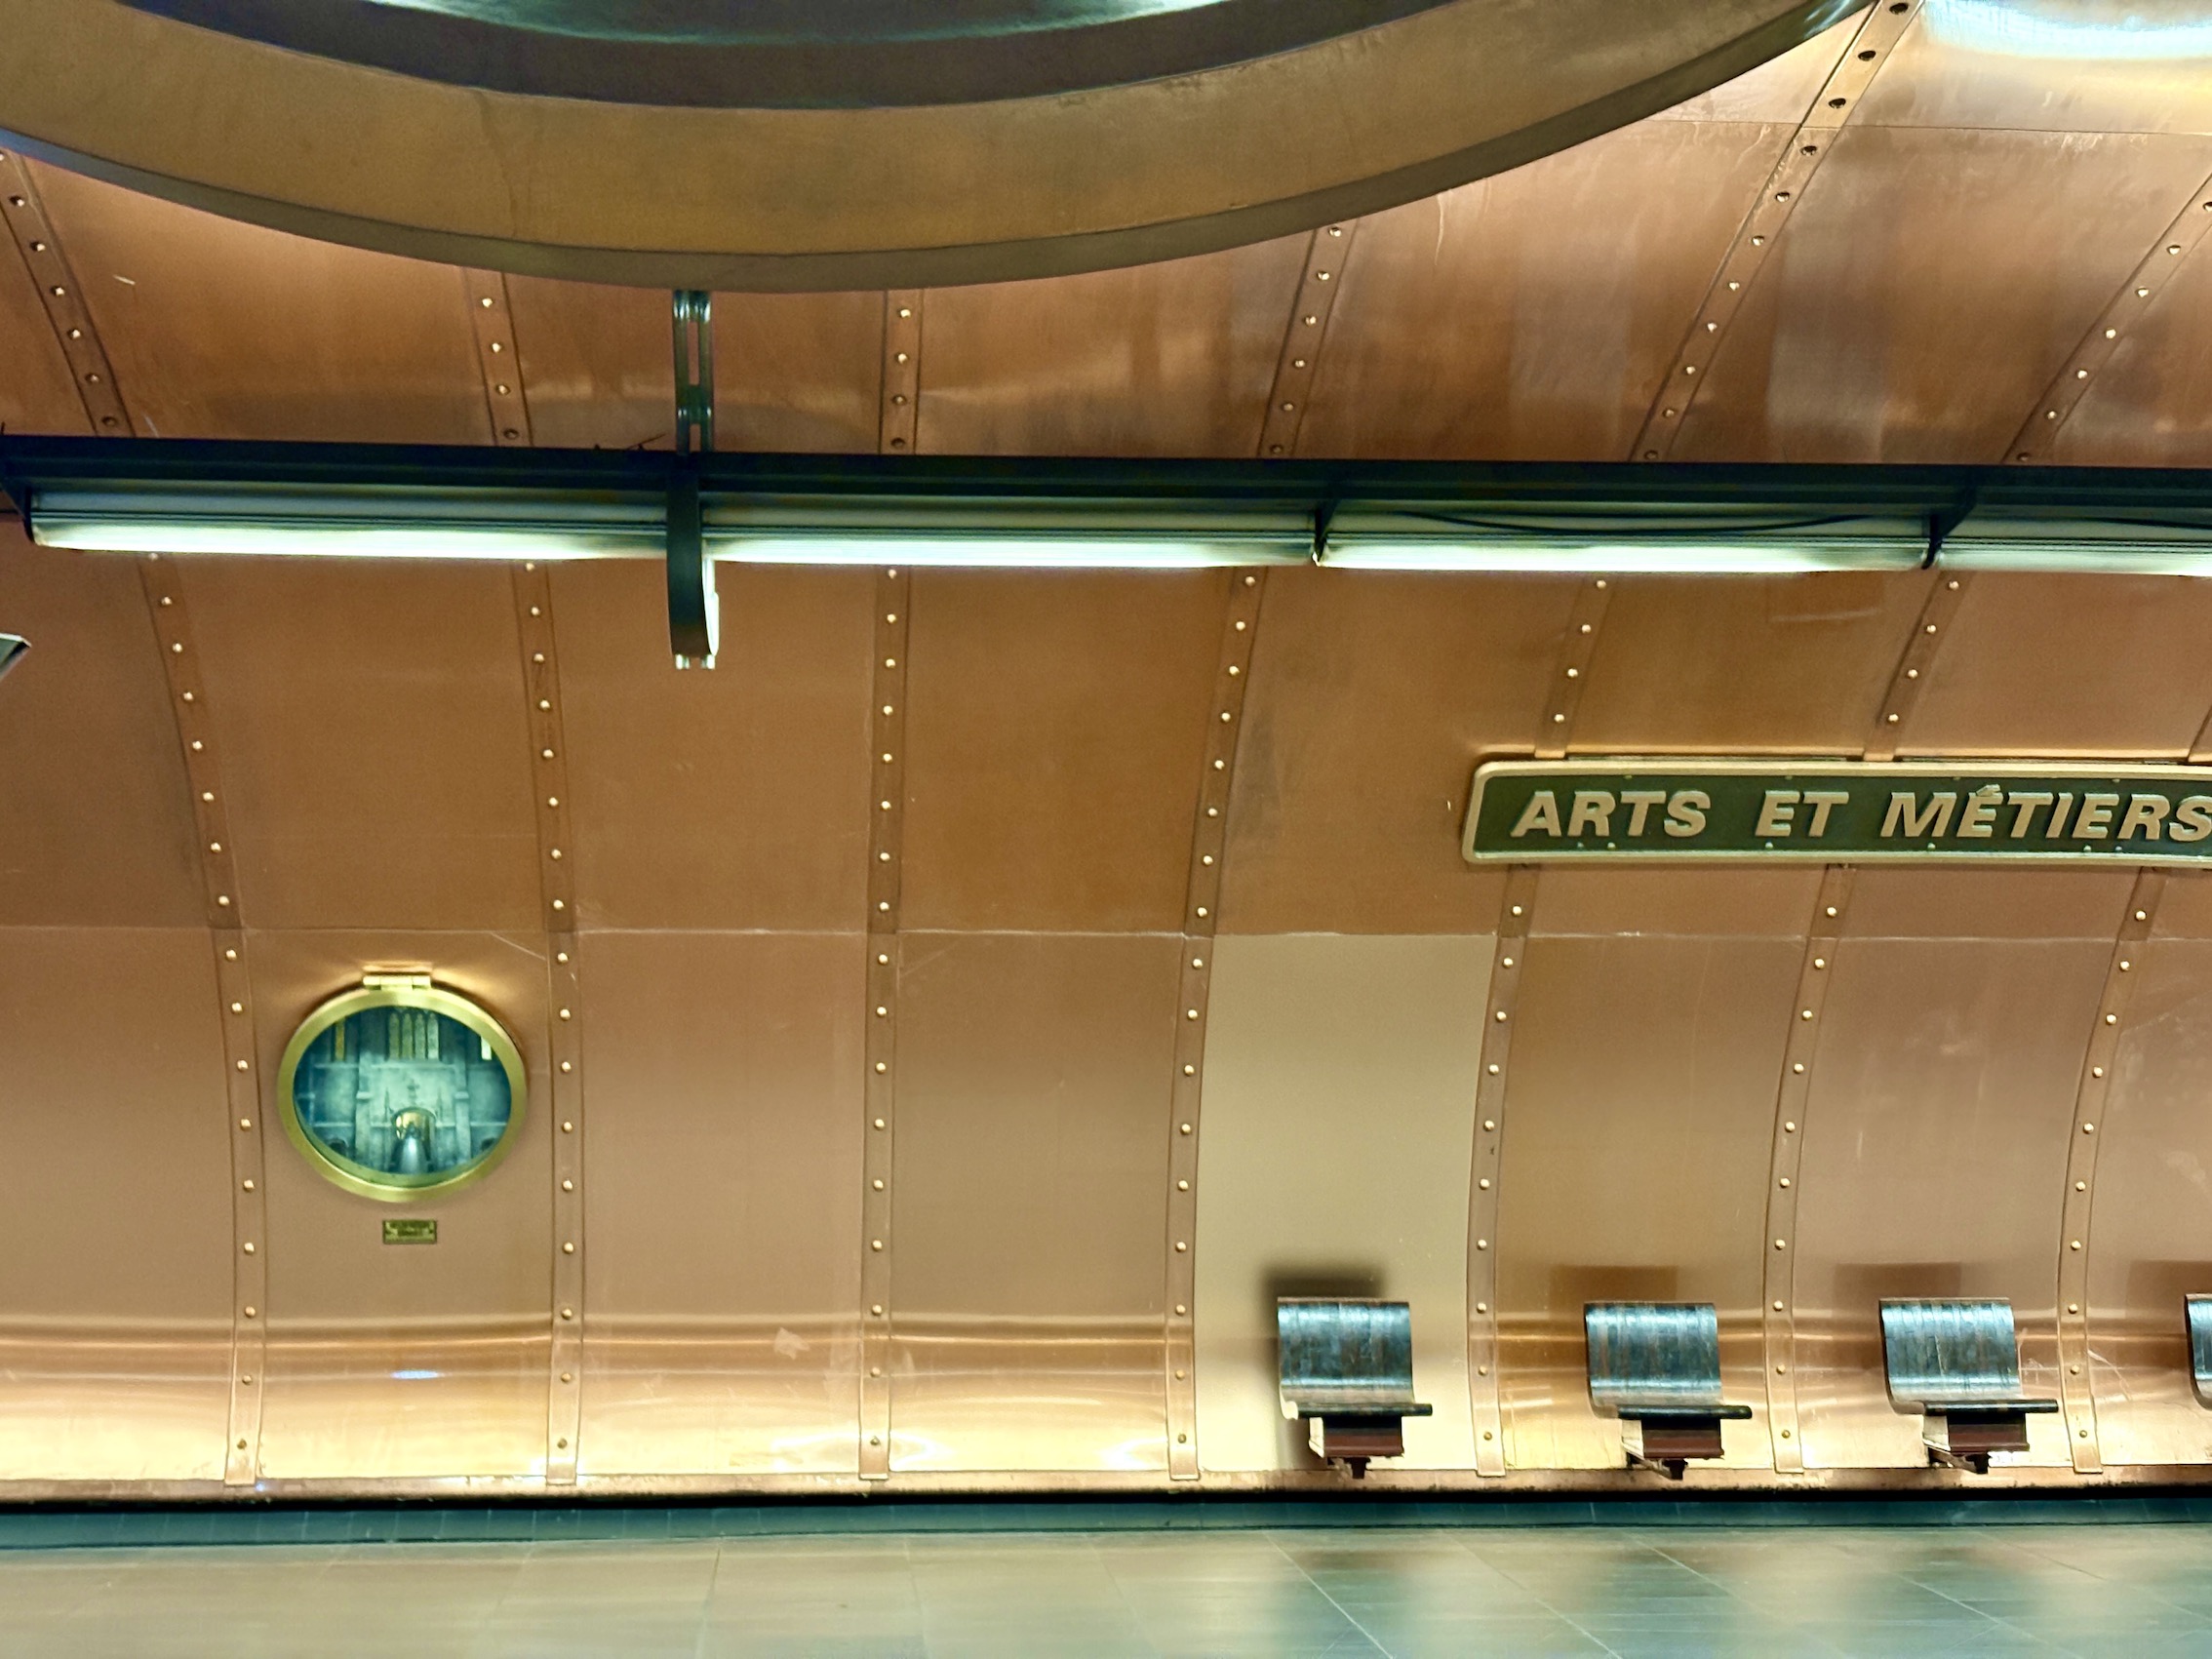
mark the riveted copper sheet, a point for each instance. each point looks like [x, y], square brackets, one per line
[1058, 718]
[722, 1202]
[661, 761]
[95, 828]
[379, 753]
[1372, 697]
[1950, 1046]
[388, 1360]
[1171, 359]
[1028, 1200]
[1792, 663]
[1322, 1178]
[1634, 1162]
[1532, 315]
[220, 329]
[37, 393]
[1778, 90]
[2070, 665]
[114, 1207]
[1912, 310]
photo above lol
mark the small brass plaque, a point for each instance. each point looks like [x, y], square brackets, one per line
[410, 1230]
[1839, 811]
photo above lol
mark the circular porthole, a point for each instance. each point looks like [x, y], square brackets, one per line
[397, 1091]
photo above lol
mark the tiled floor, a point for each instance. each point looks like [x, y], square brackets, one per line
[2138, 1592]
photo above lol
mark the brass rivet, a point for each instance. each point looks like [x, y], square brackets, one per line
[567, 1248]
[1184, 1128]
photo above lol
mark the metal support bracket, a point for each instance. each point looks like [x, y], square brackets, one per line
[694, 615]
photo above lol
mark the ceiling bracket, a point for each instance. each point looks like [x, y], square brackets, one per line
[694, 615]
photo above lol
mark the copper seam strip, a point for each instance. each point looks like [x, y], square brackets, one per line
[899, 420]
[1793, 1096]
[549, 780]
[499, 356]
[2076, 1395]
[1516, 913]
[1224, 726]
[1779, 1245]
[59, 292]
[195, 732]
[1784, 186]
[888, 812]
[1296, 365]
[2039, 432]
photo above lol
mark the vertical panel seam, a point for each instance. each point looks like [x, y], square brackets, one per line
[1876, 35]
[1298, 365]
[878, 1047]
[2092, 1090]
[898, 421]
[1201, 904]
[499, 356]
[234, 1015]
[63, 298]
[550, 784]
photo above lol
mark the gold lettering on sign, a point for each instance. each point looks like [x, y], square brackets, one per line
[2023, 803]
[2193, 822]
[1822, 802]
[1907, 818]
[1776, 811]
[1639, 802]
[1594, 808]
[2058, 814]
[2146, 813]
[1541, 813]
[1685, 812]
[1979, 820]
[2094, 822]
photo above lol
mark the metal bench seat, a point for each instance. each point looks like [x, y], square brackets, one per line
[1656, 1366]
[1956, 1364]
[1346, 1369]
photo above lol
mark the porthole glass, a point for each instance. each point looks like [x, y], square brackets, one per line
[398, 1091]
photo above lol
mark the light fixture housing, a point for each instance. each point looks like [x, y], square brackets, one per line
[12, 648]
[1694, 538]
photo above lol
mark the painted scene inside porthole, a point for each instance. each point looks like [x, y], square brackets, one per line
[408, 1096]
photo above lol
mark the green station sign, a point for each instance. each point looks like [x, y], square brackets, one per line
[1838, 812]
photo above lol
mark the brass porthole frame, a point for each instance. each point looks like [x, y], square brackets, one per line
[358, 1178]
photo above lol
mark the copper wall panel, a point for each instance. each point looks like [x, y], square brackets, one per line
[1339, 1100]
[1029, 1200]
[2065, 665]
[1745, 665]
[2149, 1241]
[1172, 358]
[1938, 1124]
[423, 1359]
[95, 822]
[1532, 315]
[2071, 69]
[1926, 289]
[797, 370]
[731, 799]
[1781, 89]
[220, 329]
[1371, 697]
[722, 1204]
[1634, 1161]
[597, 364]
[379, 757]
[36, 393]
[114, 1207]
[1058, 723]
[2151, 404]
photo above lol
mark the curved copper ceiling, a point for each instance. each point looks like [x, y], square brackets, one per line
[1097, 139]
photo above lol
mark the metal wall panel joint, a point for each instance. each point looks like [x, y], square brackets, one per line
[879, 1049]
[2075, 1393]
[549, 775]
[1930, 630]
[1784, 186]
[1296, 367]
[498, 357]
[62, 298]
[898, 422]
[1515, 915]
[234, 1012]
[1201, 905]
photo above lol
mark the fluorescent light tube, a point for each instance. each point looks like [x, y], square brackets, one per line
[372, 525]
[1604, 555]
[1630, 540]
[986, 551]
[2058, 545]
